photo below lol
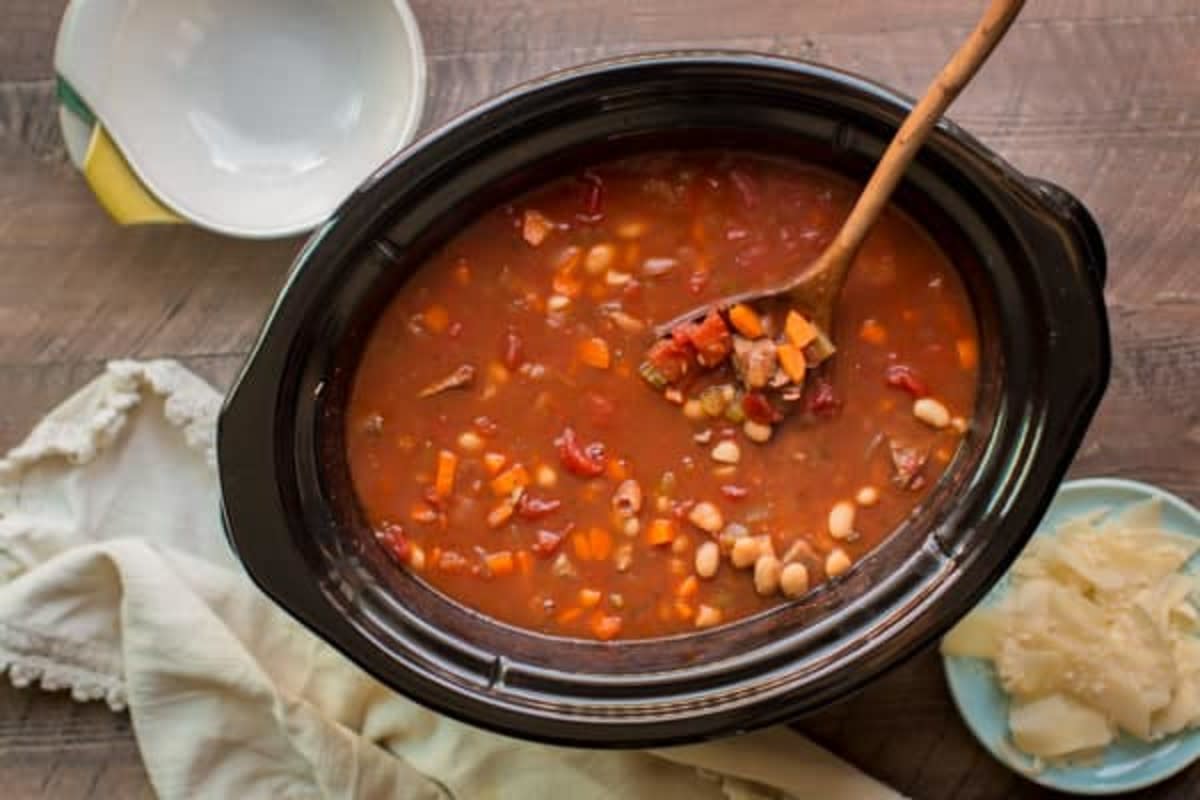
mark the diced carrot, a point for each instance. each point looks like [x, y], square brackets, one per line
[605, 626]
[617, 469]
[447, 465]
[435, 318]
[525, 562]
[594, 353]
[688, 587]
[500, 514]
[511, 479]
[684, 610]
[661, 531]
[500, 563]
[494, 462]
[589, 598]
[498, 373]
[747, 322]
[791, 358]
[872, 332]
[583, 547]
[799, 331]
[968, 353]
[568, 615]
[600, 543]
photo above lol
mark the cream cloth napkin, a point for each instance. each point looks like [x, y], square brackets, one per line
[116, 583]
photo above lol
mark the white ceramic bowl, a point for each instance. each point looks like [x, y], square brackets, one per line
[250, 118]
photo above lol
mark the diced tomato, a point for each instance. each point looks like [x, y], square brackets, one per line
[759, 409]
[587, 462]
[670, 358]
[546, 543]
[513, 350]
[530, 507]
[711, 339]
[821, 399]
[899, 376]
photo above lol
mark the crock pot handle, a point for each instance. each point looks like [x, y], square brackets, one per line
[1081, 223]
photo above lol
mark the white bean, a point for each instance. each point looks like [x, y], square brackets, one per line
[416, 557]
[708, 559]
[837, 562]
[707, 616]
[793, 581]
[707, 517]
[931, 412]
[727, 452]
[546, 477]
[867, 496]
[632, 229]
[756, 431]
[841, 520]
[599, 258]
[470, 441]
[766, 575]
[745, 552]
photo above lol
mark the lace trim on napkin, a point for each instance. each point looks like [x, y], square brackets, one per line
[85, 424]
[78, 431]
[51, 673]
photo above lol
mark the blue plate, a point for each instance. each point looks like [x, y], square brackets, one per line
[1127, 763]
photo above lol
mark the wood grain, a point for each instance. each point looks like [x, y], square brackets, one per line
[1101, 96]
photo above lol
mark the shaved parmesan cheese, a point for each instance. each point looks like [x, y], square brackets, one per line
[1058, 725]
[1097, 633]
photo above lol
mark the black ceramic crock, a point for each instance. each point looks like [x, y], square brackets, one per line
[1029, 253]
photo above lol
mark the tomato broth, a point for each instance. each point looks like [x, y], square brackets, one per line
[507, 444]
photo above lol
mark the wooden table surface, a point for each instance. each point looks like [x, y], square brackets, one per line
[1101, 96]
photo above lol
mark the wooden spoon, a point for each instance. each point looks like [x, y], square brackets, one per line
[816, 289]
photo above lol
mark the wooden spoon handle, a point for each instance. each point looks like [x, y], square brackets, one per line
[961, 67]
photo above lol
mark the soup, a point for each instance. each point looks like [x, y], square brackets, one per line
[510, 441]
